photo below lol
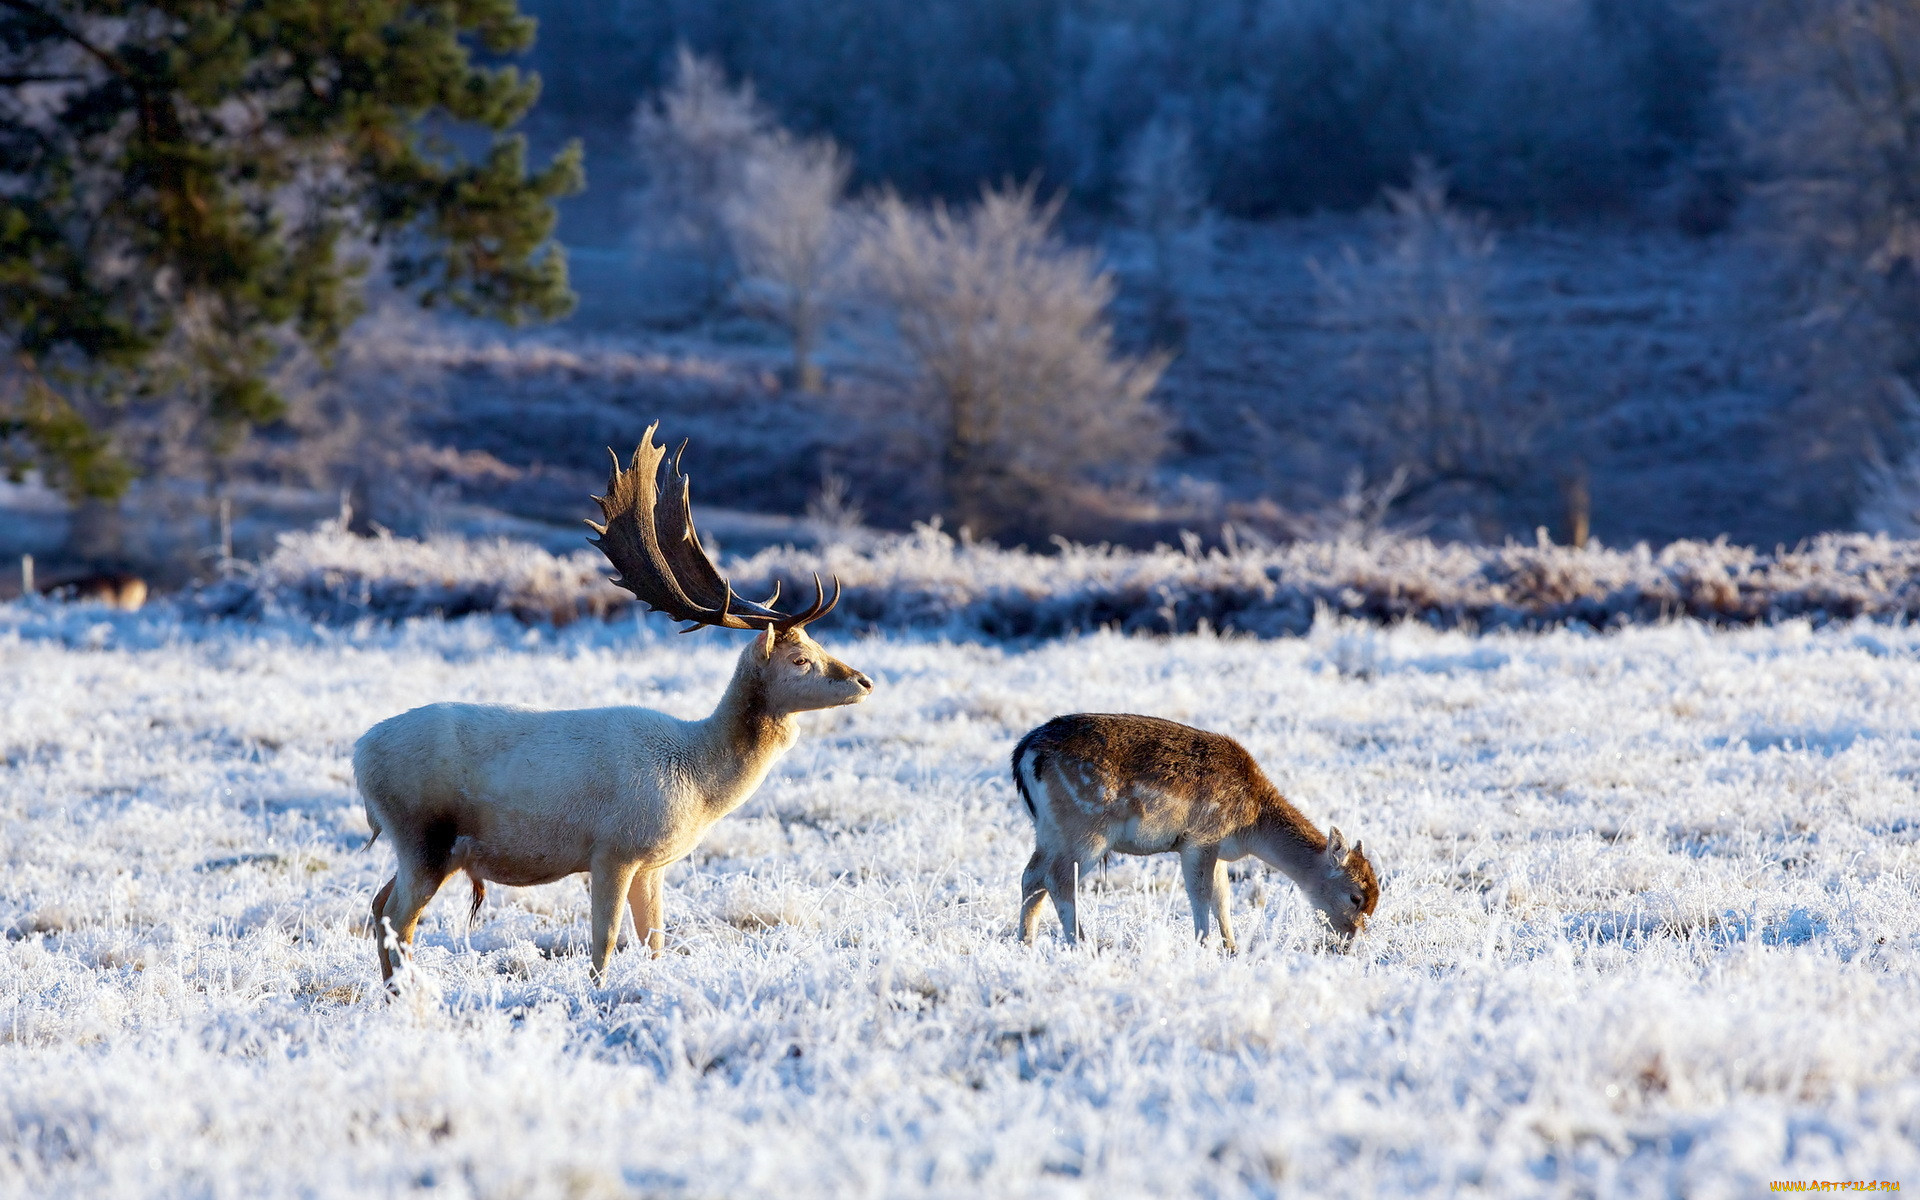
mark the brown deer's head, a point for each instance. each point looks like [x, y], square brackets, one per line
[1345, 890]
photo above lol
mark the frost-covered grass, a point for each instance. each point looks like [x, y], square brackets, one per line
[1648, 927]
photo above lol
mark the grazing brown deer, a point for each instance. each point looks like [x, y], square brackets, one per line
[526, 797]
[1099, 783]
[115, 589]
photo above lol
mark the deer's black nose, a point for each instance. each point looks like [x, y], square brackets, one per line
[865, 683]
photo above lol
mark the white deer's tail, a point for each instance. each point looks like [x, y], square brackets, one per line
[361, 765]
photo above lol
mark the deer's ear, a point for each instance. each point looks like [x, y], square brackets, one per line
[1336, 844]
[765, 644]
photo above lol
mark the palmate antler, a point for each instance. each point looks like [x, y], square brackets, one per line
[658, 553]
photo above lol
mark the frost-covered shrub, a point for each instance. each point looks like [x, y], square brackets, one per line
[331, 575]
[1163, 197]
[930, 580]
[789, 237]
[1431, 395]
[1017, 383]
[757, 210]
[933, 581]
[694, 139]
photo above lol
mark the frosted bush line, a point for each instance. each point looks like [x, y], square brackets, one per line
[1648, 926]
[931, 581]
[331, 575]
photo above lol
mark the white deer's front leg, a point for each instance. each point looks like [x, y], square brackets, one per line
[1198, 869]
[609, 886]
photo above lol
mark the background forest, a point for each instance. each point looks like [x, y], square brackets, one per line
[1633, 269]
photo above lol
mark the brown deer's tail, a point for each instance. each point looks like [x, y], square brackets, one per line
[1026, 750]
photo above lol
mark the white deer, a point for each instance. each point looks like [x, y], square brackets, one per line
[524, 797]
[1099, 783]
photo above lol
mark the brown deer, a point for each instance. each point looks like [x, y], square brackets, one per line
[1099, 783]
[115, 589]
[525, 797]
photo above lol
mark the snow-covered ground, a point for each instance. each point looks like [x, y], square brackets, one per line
[1648, 927]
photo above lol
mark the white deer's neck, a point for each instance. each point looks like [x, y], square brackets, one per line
[741, 741]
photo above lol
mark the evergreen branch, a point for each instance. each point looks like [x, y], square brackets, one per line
[106, 58]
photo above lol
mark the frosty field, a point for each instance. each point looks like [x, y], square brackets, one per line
[1648, 927]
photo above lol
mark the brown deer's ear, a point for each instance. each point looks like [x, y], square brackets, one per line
[1336, 844]
[765, 644]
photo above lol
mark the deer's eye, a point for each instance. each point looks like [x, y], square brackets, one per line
[1355, 901]
[800, 661]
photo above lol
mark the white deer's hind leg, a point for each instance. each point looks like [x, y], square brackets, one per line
[413, 889]
[380, 927]
[646, 899]
[1197, 870]
[609, 888]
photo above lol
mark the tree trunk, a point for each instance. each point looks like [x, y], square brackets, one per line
[803, 321]
[360, 507]
[1579, 505]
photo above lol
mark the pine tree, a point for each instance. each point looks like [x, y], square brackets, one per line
[191, 190]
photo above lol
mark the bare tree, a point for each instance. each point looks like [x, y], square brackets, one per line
[694, 139]
[1163, 196]
[349, 421]
[789, 237]
[344, 424]
[1430, 372]
[1007, 328]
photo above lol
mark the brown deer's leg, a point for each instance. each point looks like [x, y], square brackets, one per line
[1063, 885]
[1033, 890]
[1197, 865]
[609, 887]
[1222, 900]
